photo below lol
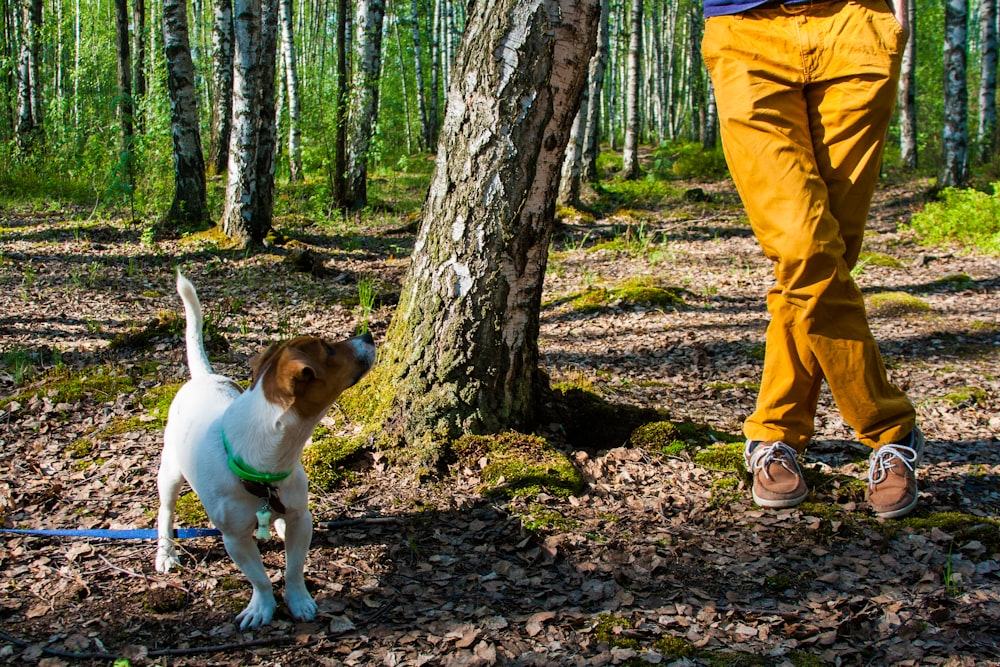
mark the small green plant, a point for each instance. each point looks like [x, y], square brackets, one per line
[366, 303]
[21, 365]
[952, 581]
[968, 218]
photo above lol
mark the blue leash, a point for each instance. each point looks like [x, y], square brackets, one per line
[131, 534]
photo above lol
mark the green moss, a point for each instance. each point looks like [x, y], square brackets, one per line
[571, 213]
[518, 465]
[725, 492]
[967, 396]
[723, 456]
[963, 527]
[540, 518]
[803, 659]
[326, 459]
[896, 304]
[671, 438]
[101, 383]
[157, 402]
[610, 629]
[189, 510]
[954, 281]
[673, 648]
[879, 259]
[636, 291]
[80, 449]
[722, 386]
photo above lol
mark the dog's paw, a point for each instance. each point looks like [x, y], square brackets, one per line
[259, 612]
[301, 604]
[166, 559]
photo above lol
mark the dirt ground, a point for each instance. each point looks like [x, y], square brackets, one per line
[659, 560]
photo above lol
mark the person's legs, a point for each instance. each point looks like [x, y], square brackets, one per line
[803, 143]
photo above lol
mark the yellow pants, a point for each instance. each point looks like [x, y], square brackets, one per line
[804, 94]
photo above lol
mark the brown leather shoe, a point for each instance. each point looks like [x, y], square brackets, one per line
[777, 478]
[892, 477]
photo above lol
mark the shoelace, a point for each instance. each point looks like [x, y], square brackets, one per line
[779, 452]
[882, 461]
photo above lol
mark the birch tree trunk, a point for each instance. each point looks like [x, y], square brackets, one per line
[711, 132]
[139, 63]
[125, 107]
[238, 221]
[570, 182]
[291, 93]
[267, 128]
[343, 90]
[222, 83]
[189, 206]
[955, 134]
[426, 133]
[29, 98]
[363, 114]
[630, 157]
[907, 98]
[986, 134]
[461, 355]
[596, 68]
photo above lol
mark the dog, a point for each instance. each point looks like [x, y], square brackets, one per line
[240, 451]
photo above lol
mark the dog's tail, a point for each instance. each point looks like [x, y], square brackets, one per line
[198, 363]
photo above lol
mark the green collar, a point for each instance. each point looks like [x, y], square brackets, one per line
[245, 472]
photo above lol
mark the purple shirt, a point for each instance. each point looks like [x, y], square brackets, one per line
[724, 7]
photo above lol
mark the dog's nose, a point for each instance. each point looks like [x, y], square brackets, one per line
[367, 338]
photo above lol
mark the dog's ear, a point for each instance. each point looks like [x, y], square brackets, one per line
[263, 360]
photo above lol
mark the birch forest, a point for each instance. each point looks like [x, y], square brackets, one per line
[133, 104]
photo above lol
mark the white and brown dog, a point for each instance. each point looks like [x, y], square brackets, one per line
[240, 451]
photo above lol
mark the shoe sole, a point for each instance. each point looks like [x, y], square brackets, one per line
[779, 503]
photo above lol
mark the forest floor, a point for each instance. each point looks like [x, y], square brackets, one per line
[660, 560]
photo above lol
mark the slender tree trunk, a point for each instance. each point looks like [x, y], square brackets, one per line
[29, 86]
[907, 98]
[363, 115]
[711, 136]
[592, 132]
[343, 90]
[461, 355]
[222, 75]
[8, 22]
[291, 92]
[126, 110]
[238, 221]
[189, 206]
[695, 77]
[139, 63]
[987, 80]
[267, 130]
[418, 73]
[570, 181]
[630, 158]
[955, 135]
[404, 87]
[433, 96]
